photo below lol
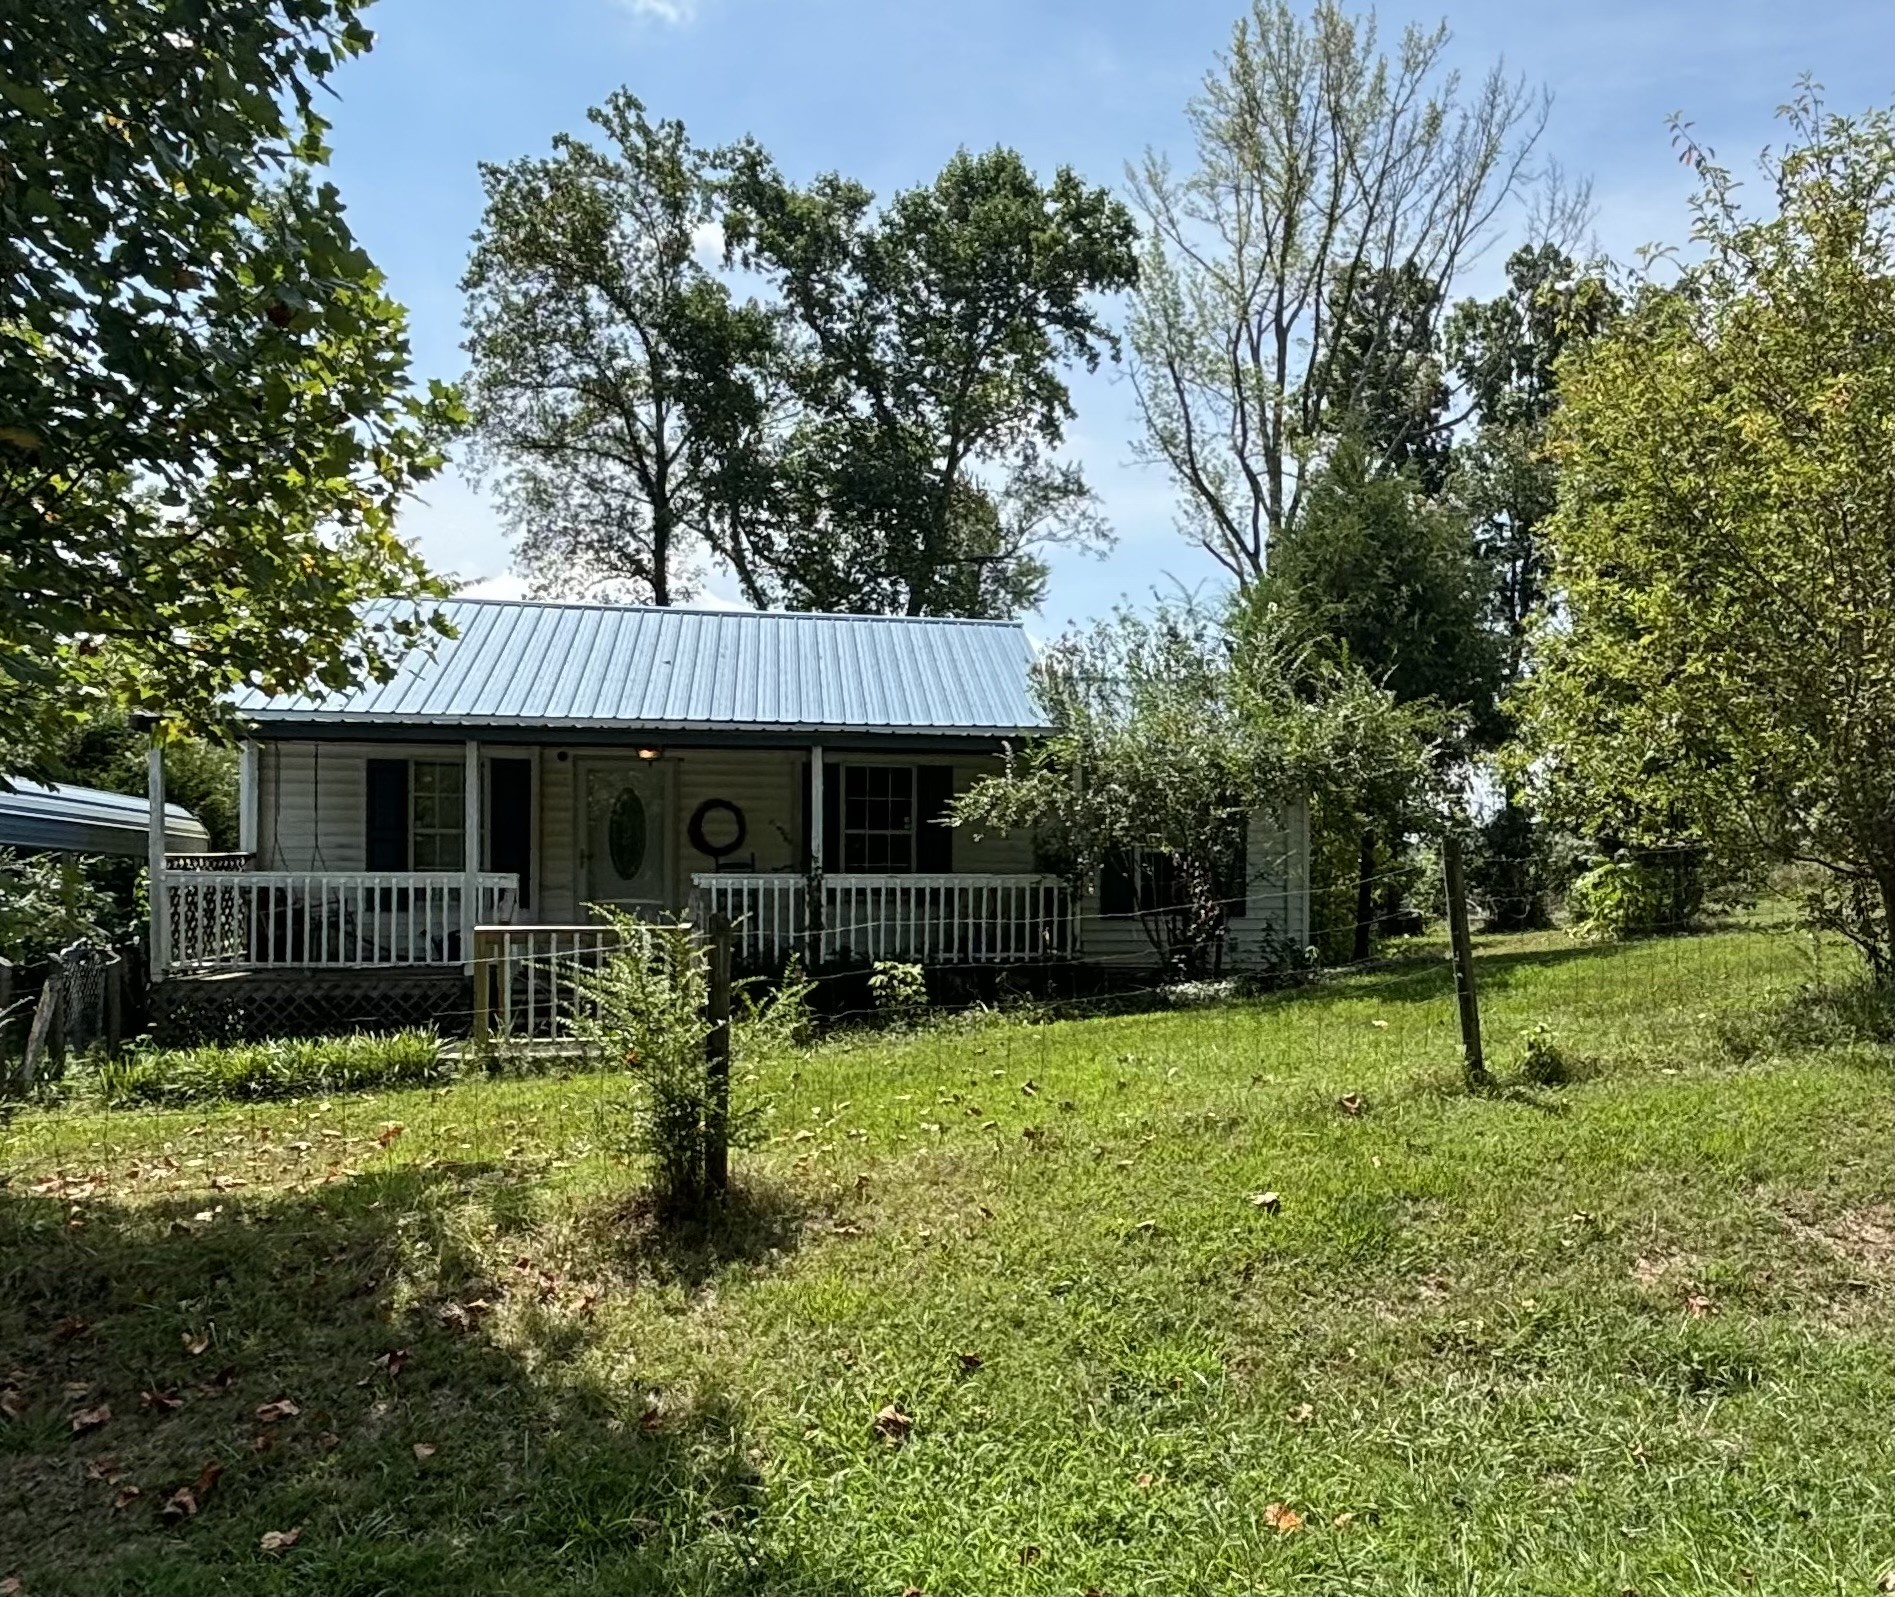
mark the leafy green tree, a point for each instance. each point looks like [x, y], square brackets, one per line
[1168, 732]
[1339, 191]
[618, 389]
[1389, 580]
[1389, 367]
[206, 421]
[926, 344]
[1724, 671]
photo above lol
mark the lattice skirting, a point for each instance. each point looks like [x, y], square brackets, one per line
[253, 1006]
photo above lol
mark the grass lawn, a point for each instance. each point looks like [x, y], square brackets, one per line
[1632, 1333]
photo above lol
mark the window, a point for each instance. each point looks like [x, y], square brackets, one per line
[878, 818]
[438, 816]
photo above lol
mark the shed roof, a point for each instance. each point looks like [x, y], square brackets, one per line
[516, 663]
[86, 820]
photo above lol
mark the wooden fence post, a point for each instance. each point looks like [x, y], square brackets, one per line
[46, 1018]
[1463, 945]
[483, 961]
[116, 974]
[717, 1061]
[6, 1016]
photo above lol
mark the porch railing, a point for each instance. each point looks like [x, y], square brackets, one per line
[525, 985]
[960, 919]
[250, 920]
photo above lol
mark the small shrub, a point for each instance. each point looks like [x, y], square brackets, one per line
[899, 991]
[282, 1069]
[648, 1001]
[779, 1021]
[1626, 896]
[1545, 1063]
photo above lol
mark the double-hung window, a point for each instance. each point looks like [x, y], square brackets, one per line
[878, 818]
[439, 815]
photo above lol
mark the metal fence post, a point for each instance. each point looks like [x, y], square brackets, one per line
[1463, 946]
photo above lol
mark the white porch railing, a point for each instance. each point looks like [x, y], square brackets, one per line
[524, 986]
[251, 920]
[959, 919]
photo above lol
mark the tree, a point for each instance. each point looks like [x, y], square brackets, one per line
[1725, 536]
[208, 424]
[1168, 733]
[1504, 352]
[918, 473]
[1388, 359]
[1391, 582]
[1330, 182]
[616, 386]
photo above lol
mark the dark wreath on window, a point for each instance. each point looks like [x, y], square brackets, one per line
[737, 830]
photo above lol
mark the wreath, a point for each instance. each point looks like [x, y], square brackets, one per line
[695, 831]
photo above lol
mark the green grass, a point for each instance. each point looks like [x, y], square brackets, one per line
[1628, 1333]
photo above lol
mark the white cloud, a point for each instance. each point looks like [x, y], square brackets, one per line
[675, 12]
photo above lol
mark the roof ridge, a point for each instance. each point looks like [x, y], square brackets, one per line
[714, 610]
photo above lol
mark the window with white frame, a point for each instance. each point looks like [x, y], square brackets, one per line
[878, 818]
[438, 817]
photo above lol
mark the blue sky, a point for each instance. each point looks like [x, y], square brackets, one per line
[885, 92]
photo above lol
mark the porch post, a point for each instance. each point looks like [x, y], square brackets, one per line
[470, 854]
[813, 890]
[159, 890]
[247, 798]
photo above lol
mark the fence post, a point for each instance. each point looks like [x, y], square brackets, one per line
[1463, 946]
[6, 1015]
[482, 953]
[717, 1061]
[115, 980]
[39, 1040]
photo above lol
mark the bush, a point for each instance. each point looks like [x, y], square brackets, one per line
[648, 1001]
[899, 992]
[1637, 894]
[284, 1069]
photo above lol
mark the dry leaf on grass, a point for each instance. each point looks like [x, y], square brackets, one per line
[281, 1409]
[1269, 1202]
[1698, 1306]
[165, 1401]
[126, 1497]
[424, 1450]
[70, 1327]
[11, 1587]
[1352, 1104]
[893, 1426]
[280, 1541]
[90, 1419]
[1283, 1519]
[390, 1133]
[195, 1342]
[1302, 1414]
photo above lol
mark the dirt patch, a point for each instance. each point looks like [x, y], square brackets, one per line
[1844, 1260]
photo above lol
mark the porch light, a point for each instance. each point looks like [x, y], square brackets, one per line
[649, 754]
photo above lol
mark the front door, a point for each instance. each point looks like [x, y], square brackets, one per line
[624, 828]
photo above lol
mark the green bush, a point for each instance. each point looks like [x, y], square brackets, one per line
[1633, 895]
[287, 1069]
[899, 991]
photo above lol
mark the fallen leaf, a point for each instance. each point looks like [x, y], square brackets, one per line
[1379, 1025]
[395, 1360]
[126, 1497]
[70, 1327]
[1302, 1414]
[194, 1342]
[1144, 1481]
[424, 1450]
[1698, 1306]
[1351, 1104]
[1269, 1202]
[207, 1478]
[225, 1183]
[1343, 1521]
[280, 1541]
[893, 1426]
[1283, 1519]
[328, 1441]
[1030, 1088]
[281, 1409]
[12, 1403]
[165, 1401]
[10, 1587]
[90, 1419]
[970, 1362]
[390, 1133]
[181, 1504]
[103, 1468]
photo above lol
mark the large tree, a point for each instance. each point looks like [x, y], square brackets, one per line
[926, 353]
[1725, 536]
[618, 388]
[206, 420]
[1337, 196]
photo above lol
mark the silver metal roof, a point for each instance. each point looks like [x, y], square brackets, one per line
[55, 816]
[556, 665]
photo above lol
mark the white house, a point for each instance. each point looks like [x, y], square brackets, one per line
[787, 769]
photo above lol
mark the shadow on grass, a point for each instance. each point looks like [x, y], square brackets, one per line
[1429, 978]
[757, 1222]
[418, 1453]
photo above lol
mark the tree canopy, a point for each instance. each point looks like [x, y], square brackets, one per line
[208, 420]
[1722, 666]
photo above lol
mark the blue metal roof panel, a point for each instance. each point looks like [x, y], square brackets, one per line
[89, 820]
[519, 663]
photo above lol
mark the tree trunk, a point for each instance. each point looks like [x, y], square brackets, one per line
[1365, 896]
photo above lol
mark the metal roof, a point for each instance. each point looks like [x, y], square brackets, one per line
[86, 820]
[518, 663]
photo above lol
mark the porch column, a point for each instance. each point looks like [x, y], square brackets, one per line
[470, 854]
[159, 891]
[813, 890]
[247, 798]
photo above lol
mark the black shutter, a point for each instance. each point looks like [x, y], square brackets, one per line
[1118, 894]
[832, 860]
[510, 821]
[934, 842]
[387, 826]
